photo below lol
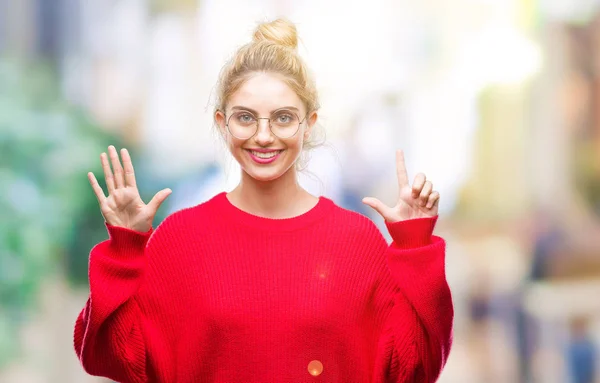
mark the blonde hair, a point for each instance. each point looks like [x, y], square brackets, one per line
[274, 49]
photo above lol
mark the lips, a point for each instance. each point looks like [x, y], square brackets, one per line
[263, 156]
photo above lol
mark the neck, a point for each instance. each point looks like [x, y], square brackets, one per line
[279, 198]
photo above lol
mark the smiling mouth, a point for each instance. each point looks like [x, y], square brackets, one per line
[265, 155]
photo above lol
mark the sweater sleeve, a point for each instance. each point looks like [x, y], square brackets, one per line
[108, 337]
[416, 335]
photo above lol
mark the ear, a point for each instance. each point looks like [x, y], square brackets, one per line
[311, 120]
[220, 120]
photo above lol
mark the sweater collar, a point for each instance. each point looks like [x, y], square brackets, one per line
[229, 211]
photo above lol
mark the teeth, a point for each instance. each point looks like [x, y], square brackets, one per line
[265, 155]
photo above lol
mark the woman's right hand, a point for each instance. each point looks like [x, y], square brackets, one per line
[124, 207]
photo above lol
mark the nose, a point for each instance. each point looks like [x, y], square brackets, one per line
[263, 135]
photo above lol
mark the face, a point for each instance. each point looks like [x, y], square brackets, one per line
[265, 156]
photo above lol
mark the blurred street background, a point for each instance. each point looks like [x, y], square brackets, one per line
[496, 101]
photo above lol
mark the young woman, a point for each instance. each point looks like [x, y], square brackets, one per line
[266, 283]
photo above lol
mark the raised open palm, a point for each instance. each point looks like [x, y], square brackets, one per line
[124, 207]
[416, 201]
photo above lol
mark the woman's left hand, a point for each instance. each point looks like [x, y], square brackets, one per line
[418, 201]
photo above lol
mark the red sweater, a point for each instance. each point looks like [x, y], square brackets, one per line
[216, 294]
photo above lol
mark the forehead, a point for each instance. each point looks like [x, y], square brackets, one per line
[264, 93]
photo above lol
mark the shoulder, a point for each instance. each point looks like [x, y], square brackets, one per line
[354, 224]
[351, 218]
[186, 221]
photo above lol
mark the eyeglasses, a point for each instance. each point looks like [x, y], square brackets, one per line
[283, 124]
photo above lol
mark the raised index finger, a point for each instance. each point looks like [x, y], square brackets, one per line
[401, 169]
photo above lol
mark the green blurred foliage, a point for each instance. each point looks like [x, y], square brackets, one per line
[49, 216]
[161, 6]
[587, 171]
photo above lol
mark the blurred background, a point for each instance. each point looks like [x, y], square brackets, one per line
[497, 101]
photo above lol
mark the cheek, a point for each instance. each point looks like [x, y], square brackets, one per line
[234, 145]
[233, 142]
[301, 138]
[295, 145]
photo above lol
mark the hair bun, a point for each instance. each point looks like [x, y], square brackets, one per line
[280, 31]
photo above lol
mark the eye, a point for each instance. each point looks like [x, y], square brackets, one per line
[244, 117]
[285, 118]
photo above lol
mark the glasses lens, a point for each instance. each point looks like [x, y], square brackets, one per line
[242, 124]
[284, 123]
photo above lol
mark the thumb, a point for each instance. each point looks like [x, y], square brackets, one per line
[377, 205]
[159, 198]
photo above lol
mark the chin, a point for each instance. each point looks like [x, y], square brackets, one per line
[264, 175]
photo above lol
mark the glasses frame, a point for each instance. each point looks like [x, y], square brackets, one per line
[270, 125]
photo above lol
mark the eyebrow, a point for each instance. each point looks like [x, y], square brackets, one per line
[238, 107]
